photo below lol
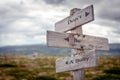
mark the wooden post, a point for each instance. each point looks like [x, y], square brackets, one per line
[77, 74]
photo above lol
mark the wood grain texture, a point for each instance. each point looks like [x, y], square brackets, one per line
[56, 39]
[87, 60]
[79, 74]
[78, 18]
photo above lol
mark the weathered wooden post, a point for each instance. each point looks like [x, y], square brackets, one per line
[83, 46]
[77, 74]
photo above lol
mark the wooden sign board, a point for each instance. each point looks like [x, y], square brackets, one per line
[79, 18]
[56, 39]
[76, 62]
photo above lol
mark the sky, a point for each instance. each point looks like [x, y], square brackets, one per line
[25, 22]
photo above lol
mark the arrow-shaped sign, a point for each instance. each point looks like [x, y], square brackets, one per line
[79, 18]
[56, 39]
[89, 59]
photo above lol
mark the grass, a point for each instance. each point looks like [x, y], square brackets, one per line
[7, 65]
[43, 68]
[114, 70]
[18, 73]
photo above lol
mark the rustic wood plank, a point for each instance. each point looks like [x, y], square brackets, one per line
[56, 39]
[87, 60]
[78, 18]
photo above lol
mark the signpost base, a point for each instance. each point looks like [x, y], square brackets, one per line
[78, 74]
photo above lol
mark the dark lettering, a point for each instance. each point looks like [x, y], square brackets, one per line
[77, 60]
[66, 62]
[83, 59]
[76, 19]
[86, 14]
[67, 39]
[80, 16]
[71, 61]
[70, 21]
[76, 40]
[73, 20]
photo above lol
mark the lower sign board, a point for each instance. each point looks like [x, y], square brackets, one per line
[76, 62]
[57, 39]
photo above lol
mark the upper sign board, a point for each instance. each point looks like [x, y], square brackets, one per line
[86, 60]
[79, 18]
[69, 40]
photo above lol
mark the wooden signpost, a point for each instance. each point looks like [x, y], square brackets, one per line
[78, 18]
[83, 46]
